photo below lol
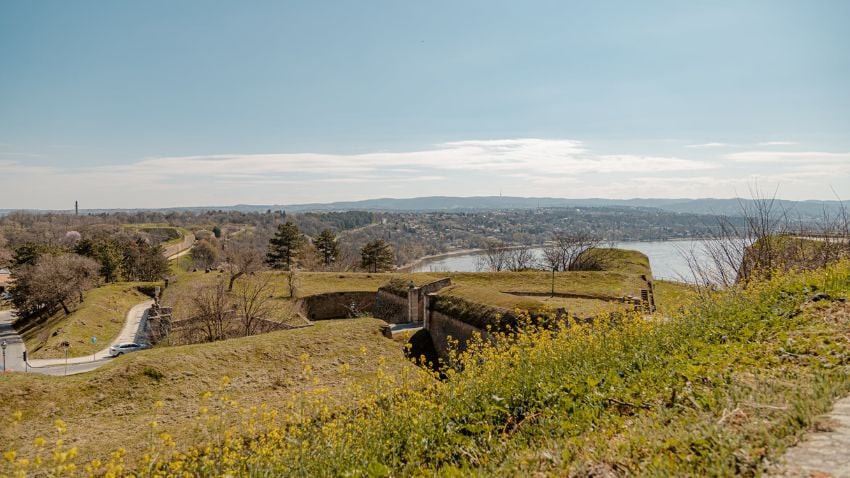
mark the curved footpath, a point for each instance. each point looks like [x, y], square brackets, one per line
[131, 332]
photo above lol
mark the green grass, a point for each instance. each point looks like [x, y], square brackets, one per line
[101, 315]
[621, 260]
[613, 284]
[493, 298]
[112, 406]
[671, 296]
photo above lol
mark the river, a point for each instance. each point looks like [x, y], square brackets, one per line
[665, 257]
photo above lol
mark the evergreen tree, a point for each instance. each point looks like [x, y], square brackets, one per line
[284, 246]
[27, 254]
[108, 253]
[377, 256]
[327, 247]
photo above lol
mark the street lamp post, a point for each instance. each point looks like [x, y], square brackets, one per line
[65, 345]
[3, 345]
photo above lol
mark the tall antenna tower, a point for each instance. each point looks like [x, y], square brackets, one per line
[76, 208]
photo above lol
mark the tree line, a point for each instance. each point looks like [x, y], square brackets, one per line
[47, 276]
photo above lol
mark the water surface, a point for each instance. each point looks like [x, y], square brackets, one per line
[665, 257]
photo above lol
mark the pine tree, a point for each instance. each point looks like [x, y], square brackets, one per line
[377, 256]
[327, 247]
[284, 246]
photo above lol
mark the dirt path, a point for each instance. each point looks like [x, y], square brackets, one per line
[824, 452]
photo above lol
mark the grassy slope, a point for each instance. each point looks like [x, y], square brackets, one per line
[621, 260]
[113, 405]
[102, 315]
[717, 391]
[592, 283]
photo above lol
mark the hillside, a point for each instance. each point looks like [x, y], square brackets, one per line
[721, 389]
[811, 209]
[101, 315]
[114, 404]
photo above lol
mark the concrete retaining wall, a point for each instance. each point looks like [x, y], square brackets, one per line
[441, 327]
[336, 305]
[390, 307]
[179, 247]
[416, 298]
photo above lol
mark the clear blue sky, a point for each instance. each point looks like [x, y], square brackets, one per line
[164, 103]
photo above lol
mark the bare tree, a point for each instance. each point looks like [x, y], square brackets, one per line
[212, 311]
[761, 241]
[241, 258]
[255, 302]
[520, 258]
[293, 281]
[53, 280]
[566, 251]
[496, 257]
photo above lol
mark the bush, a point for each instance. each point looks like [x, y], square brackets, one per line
[396, 286]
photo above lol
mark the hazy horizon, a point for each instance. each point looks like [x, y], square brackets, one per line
[157, 104]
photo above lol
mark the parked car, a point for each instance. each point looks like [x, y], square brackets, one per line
[124, 348]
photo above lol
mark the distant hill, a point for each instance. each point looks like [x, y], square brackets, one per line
[729, 207]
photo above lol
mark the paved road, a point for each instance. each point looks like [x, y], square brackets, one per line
[14, 344]
[413, 326]
[129, 333]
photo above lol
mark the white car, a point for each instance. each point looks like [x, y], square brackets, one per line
[124, 348]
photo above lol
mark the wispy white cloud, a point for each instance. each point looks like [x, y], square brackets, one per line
[525, 166]
[709, 145]
[777, 143]
[513, 155]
